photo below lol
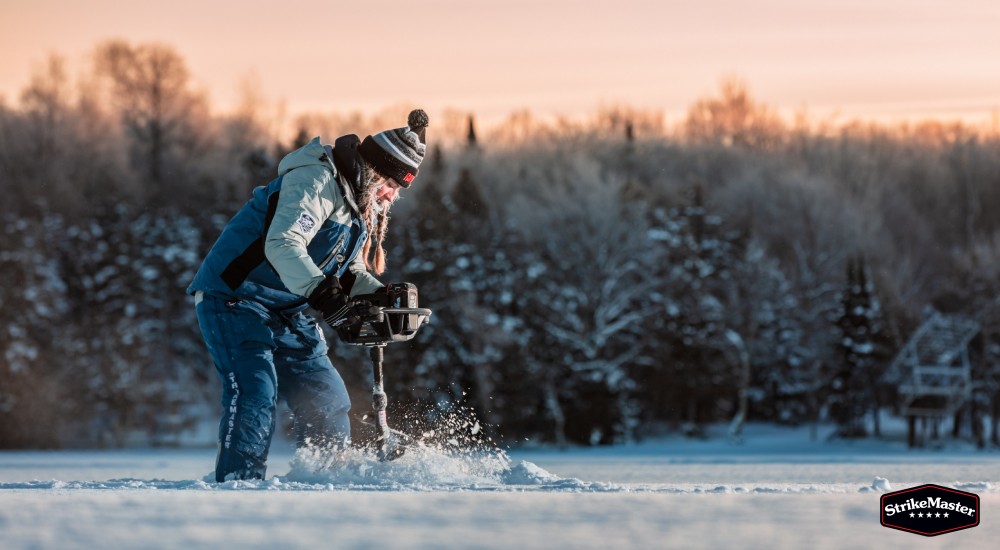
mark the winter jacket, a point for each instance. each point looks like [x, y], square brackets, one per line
[293, 232]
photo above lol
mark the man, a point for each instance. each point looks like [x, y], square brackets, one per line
[309, 238]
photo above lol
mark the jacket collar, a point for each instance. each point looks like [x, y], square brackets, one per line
[347, 161]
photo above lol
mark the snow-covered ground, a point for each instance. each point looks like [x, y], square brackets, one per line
[778, 489]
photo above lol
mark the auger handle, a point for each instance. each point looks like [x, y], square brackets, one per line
[408, 310]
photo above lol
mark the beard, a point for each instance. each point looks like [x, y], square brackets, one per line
[366, 196]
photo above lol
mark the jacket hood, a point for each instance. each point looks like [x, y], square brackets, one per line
[349, 165]
[348, 160]
[309, 154]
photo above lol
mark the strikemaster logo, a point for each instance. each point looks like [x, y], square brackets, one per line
[930, 510]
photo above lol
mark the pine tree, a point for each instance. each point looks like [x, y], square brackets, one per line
[696, 277]
[863, 351]
[470, 138]
[36, 397]
[451, 258]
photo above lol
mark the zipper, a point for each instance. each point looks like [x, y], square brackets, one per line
[252, 305]
[333, 252]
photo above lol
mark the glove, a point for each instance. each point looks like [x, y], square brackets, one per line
[330, 300]
[368, 306]
[379, 298]
[362, 309]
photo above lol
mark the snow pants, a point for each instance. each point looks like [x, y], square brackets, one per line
[262, 355]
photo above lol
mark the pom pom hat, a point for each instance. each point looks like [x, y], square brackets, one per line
[397, 153]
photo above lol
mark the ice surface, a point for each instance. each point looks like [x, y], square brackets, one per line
[779, 489]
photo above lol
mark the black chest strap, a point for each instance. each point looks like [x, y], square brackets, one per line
[239, 269]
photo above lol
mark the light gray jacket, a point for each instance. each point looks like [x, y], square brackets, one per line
[312, 198]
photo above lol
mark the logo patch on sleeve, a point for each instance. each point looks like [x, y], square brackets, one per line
[306, 222]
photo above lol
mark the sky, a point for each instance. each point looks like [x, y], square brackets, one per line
[844, 58]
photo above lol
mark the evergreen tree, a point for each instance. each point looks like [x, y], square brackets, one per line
[863, 353]
[37, 399]
[470, 138]
[695, 278]
[583, 295]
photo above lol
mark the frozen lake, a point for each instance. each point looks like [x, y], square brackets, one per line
[776, 490]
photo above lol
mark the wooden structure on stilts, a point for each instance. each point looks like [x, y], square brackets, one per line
[933, 373]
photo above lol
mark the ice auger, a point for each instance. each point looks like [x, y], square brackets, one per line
[397, 320]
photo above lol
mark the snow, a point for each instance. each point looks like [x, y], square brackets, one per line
[777, 489]
[881, 484]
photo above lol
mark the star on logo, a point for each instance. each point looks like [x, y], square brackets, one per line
[912, 514]
[937, 515]
[946, 514]
[920, 515]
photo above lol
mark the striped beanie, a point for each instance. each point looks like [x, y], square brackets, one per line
[397, 153]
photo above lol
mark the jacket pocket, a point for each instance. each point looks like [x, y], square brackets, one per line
[248, 323]
[334, 252]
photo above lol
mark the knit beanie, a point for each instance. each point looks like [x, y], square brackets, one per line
[397, 153]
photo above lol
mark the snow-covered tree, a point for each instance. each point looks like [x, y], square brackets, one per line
[694, 349]
[36, 394]
[584, 301]
[863, 352]
[136, 358]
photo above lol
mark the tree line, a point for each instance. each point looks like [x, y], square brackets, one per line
[592, 282]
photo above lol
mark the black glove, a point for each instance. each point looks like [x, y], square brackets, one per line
[368, 306]
[379, 298]
[330, 300]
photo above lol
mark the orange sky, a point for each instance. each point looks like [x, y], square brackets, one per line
[860, 58]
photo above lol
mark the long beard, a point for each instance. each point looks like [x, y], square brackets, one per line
[366, 195]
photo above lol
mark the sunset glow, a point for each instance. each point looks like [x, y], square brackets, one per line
[853, 58]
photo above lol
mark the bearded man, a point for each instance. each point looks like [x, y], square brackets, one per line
[312, 237]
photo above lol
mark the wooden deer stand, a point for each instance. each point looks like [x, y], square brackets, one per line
[933, 371]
